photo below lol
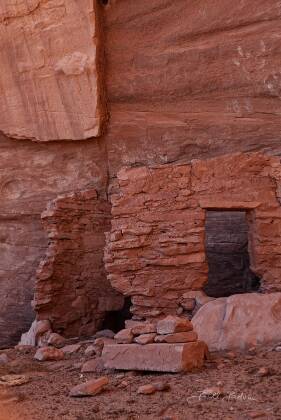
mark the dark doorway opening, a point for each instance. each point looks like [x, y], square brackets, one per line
[115, 320]
[226, 244]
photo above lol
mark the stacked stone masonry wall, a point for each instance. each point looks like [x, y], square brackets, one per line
[155, 251]
[71, 290]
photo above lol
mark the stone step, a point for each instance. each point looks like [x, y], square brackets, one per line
[155, 357]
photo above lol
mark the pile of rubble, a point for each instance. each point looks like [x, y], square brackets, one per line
[170, 345]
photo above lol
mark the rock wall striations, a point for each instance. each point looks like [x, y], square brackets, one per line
[49, 77]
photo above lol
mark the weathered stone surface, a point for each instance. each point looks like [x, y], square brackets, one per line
[155, 357]
[56, 340]
[173, 324]
[240, 321]
[51, 80]
[160, 254]
[182, 337]
[124, 336]
[48, 353]
[37, 330]
[71, 348]
[105, 333]
[89, 388]
[147, 389]
[71, 289]
[144, 328]
[93, 365]
[201, 84]
[90, 350]
[145, 338]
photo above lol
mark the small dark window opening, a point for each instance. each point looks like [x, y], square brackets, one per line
[226, 243]
[115, 320]
[104, 2]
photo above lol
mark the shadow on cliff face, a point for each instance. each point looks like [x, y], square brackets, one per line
[115, 320]
[227, 254]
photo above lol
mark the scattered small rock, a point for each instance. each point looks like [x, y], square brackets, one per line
[162, 386]
[90, 350]
[152, 388]
[105, 333]
[145, 338]
[180, 310]
[124, 384]
[89, 388]
[24, 348]
[188, 303]
[99, 344]
[48, 354]
[231, 355]
[263, 371]
[147, 389]
[173, 324]
[13, 380]
[144, 328]
[56, 340]
[93, 365]
[278, 348]
[257, 414]
[124, 336]
[71, 348]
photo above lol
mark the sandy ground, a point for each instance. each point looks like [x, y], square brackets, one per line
[247, 394]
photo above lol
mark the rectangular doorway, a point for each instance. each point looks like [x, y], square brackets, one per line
[226, 244]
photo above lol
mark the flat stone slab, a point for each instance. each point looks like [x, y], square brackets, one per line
[156, 357]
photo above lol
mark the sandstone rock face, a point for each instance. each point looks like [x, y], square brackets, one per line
[155, 251]
[203, 82]
[240, 321]
[49, 74]
[71, 289]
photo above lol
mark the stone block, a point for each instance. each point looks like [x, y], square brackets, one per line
[173, 324]
[155, 357]
[183, 337]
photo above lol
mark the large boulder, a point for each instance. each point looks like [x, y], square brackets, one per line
[240, 321]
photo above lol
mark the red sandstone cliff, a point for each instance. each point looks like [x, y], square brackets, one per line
[183, 80]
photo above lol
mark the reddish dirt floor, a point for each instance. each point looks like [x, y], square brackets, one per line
[248, 391]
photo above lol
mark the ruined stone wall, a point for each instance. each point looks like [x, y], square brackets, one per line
[71, 290]
[183, 80]
[156, 251]
[30, 176]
